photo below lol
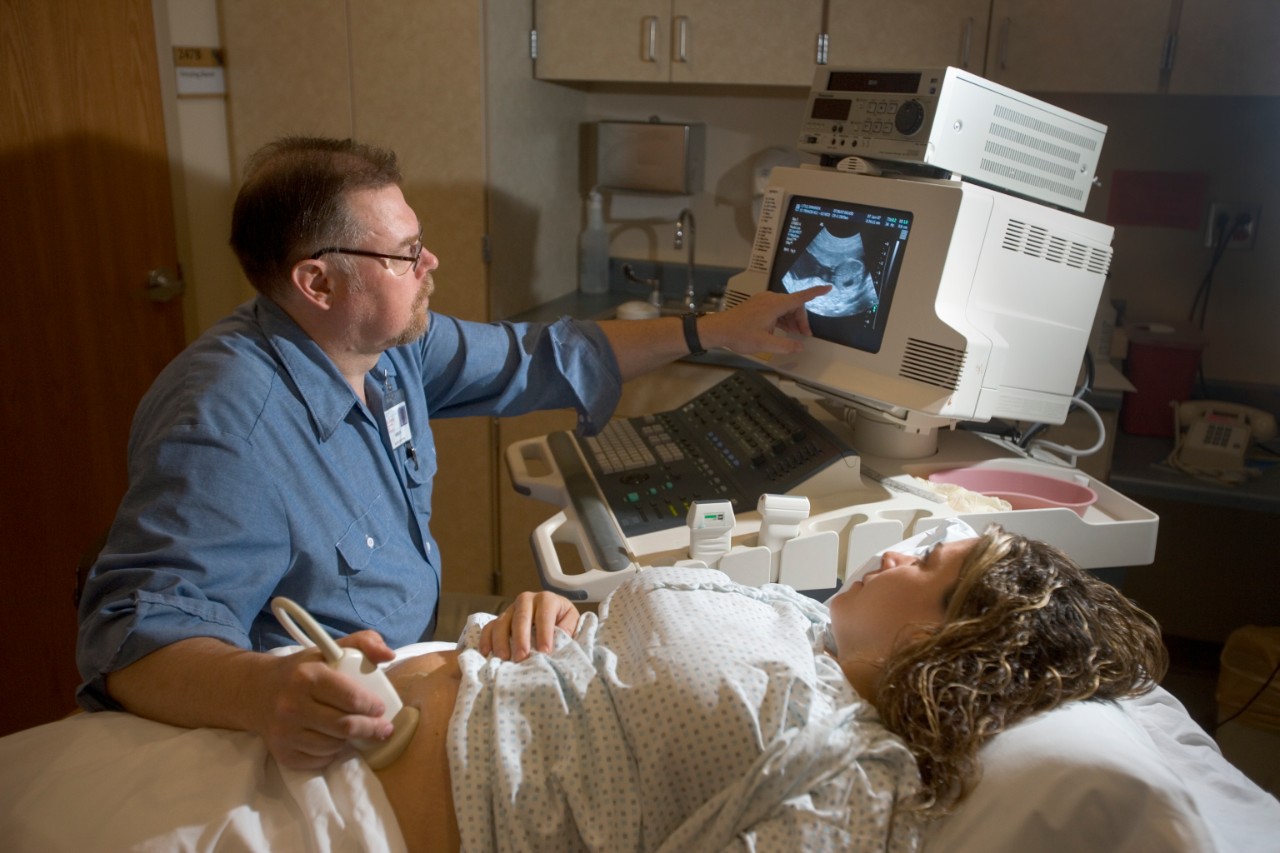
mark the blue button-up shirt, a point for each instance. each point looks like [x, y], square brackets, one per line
[255, 471]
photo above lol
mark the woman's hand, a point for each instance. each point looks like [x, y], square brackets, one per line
[533, 616]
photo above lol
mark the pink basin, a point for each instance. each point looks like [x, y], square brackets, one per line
[1021, 489]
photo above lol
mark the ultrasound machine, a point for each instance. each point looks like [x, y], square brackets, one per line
[945, 212]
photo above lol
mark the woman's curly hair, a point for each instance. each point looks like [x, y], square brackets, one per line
[1026, 630]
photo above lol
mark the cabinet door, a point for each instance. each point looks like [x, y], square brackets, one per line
[1081, 46]
[908, 34]
[1227, 47]
[377, 59]
[761, 42]
[621, 40]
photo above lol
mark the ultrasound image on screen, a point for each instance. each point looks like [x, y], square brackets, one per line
[855, 248]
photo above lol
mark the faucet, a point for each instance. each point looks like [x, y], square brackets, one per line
[654, 285]
[686, 216]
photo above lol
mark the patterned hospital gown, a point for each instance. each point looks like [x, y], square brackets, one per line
[694, 714]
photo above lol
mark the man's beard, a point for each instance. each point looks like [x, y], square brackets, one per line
[417, 326]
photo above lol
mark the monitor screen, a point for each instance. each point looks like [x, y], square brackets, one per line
[855, 248]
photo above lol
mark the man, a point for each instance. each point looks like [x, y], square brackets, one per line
[289, 452]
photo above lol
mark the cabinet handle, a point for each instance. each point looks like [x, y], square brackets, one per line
[682, 38]
[648, 50]
[1002, 54]
[966, 41]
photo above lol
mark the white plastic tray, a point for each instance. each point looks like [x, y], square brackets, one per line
[866, 515]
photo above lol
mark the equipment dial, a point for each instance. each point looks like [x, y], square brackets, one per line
[910, 118]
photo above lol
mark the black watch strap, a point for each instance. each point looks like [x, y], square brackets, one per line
[690, 321]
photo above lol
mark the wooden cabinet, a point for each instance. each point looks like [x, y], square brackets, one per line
[378, 83]
[1206, 47]
[623, 40]
[1081, 46]
[1188, 47]
[908, 34]
[1227, 47]
[747, 42]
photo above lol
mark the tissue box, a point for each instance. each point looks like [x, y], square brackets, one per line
[650, 157]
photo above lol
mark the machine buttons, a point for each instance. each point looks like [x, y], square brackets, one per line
[910, 118]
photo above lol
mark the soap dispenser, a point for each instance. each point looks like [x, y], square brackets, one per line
[593, 249]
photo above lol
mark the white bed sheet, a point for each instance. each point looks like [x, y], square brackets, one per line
[113, 781]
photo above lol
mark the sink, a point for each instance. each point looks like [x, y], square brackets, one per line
[664, 311]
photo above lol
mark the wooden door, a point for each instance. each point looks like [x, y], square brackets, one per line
[86, 214]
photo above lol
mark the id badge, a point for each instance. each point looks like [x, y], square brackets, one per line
[397, 415]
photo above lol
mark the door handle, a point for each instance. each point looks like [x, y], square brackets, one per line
[164, 285]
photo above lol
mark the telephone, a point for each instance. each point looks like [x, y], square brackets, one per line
[1217, 434]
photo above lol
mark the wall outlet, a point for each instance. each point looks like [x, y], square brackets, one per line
[1222, 216]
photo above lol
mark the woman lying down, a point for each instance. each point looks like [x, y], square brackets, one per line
[697, 714]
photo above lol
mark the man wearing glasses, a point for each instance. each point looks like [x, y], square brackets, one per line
[288, 452]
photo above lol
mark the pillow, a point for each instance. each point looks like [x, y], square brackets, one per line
[1083, 777]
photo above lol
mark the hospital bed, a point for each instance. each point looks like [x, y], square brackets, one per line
[1133, 775]
[1137, 775]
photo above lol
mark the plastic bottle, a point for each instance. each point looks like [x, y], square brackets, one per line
[593, 249]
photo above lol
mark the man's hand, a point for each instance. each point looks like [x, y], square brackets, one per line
[644, 345]
[532, 613]
[311, 710]
[749, 327]
[302, 708]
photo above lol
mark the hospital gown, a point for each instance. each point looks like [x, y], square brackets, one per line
[695, 714]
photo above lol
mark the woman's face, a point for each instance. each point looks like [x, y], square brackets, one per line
[870, 617]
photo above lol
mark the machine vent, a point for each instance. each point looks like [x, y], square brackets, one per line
[1036, 241]
[1024, 149]
[932, 364]
[1045, 128]
[733, 298]
[1030, 179]
[1026, 158]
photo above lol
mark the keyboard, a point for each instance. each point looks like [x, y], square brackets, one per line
[740, 439]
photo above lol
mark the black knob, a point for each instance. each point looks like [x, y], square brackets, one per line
[910, 118]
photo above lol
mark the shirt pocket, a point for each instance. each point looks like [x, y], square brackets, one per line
[361, 543]
[380, 577]
[418, 475]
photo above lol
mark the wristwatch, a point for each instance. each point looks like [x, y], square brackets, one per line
[690, 321]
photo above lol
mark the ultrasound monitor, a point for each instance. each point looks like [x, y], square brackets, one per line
[855, 248]
[950, 302]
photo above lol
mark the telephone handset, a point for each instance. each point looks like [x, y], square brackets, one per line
[1217, 434]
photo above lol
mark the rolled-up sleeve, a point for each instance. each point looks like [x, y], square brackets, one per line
[153, 584]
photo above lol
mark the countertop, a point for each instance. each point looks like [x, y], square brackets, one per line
[671, 278]
[1137, 471]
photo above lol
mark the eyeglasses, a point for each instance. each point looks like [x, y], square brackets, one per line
[395, 264]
